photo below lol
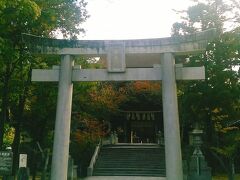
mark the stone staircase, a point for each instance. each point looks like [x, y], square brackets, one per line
[131, 160]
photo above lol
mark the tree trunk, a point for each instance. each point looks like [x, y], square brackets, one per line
[16, 141]
[19, 117]
[4, 115]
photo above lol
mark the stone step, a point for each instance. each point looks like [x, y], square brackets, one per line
[128, 174]
[98, 164]
[130, 171]
[133, 147]
[131, 160]
[134, 156]
[130, 165]
[133, 153]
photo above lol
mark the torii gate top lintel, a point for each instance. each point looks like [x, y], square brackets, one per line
[122, 54]
[186, 44]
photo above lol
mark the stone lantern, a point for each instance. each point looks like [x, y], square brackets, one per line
[197, 141]
[198, 168]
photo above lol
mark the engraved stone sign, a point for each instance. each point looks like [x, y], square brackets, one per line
[6, 160]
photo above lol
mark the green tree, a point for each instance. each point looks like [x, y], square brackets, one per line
[39, 17]
[213, 102]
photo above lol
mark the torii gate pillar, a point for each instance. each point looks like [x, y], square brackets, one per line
[63, 120]
[171, 120]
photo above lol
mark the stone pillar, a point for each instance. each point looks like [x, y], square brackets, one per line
[171, 119]
[63, 120]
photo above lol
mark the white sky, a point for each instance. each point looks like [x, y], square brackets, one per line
[131, 19]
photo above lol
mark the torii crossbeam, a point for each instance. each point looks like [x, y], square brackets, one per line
[127, 60]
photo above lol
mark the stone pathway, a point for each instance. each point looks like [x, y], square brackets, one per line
[123, 178]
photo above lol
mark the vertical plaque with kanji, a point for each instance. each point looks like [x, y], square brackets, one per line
[116, 56]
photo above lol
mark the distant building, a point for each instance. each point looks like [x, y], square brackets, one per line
[138, 126]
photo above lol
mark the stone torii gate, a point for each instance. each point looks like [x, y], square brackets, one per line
[127, 60]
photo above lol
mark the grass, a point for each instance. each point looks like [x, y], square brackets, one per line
[224, 177]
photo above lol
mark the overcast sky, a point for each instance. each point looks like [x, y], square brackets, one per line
[131, 19]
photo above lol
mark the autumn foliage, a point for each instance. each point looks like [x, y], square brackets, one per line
[85, 135]
[87, 129]
[108, 96]
[138, 86]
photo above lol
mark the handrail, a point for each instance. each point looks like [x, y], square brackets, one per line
[93, 160]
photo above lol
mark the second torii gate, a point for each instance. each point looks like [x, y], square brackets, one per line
[127, 60]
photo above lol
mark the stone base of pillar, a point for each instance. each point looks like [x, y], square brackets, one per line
[185, 170]
[198, 168]
[23, 173]
[72, 169]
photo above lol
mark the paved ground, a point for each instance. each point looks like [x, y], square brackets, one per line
[123, 178]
